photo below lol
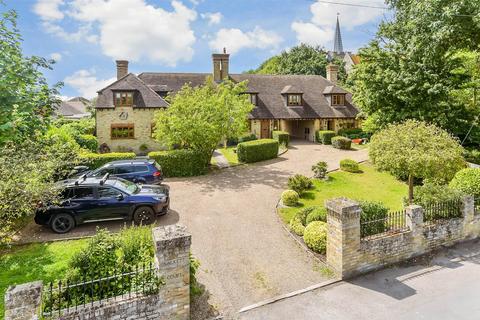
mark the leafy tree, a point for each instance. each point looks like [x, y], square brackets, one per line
[415, 149]
[410, 70]
[301, 59]
[26, 99]
[199, 118]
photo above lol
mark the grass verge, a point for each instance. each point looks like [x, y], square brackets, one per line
[230, 155]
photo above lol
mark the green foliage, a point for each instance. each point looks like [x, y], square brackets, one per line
[299, 183]
[257, 150]
[349, 165]
[413, 68]
[88, 141]
[198, 118]
[26, 100]
[290, 198]
[82, 126]
[247, 137]
[315, 236]
[431, 193]
[417, 149]
[282, 137]
[96, 160]
[181, 162]
[340, 142]
[318, 214]
[320, 169]
[324, 137]
[298, 222]
[373, 211]
[195, 288]
[353, 133]
[472, 155]
[467, 181]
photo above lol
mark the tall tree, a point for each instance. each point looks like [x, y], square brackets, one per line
[26, 99]
[409, 69]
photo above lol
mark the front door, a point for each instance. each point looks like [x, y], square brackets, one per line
[264, 129]
[331, 125]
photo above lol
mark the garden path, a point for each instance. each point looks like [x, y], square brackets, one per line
[220, 160]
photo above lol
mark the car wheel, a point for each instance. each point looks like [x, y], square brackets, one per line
[144, 216]
[62, 223]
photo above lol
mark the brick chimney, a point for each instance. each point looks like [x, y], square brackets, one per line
[332, 73]
[220, 65]
[122, 68]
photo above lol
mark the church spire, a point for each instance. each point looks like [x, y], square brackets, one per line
[338, 45]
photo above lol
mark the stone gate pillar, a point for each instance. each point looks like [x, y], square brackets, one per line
[343, 239]
[24, 301]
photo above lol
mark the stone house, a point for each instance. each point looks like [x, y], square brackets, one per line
[298, 104]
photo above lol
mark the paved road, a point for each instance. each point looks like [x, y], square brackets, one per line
[444, 287]
[246, 255]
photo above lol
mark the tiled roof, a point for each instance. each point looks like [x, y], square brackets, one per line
[334, 89]
[290, 89]
[73, 107]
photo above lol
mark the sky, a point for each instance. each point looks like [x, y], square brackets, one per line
[85, 37]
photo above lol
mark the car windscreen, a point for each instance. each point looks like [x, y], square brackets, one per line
[100, 172]
[126, 186]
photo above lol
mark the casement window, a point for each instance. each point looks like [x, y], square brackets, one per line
[253, 98]
[294, 100]
[338, 100]
[123, 99]
[122, 131]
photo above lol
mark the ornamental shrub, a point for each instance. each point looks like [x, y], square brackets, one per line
[298, 222]
[258, 150]
[349, 165]
[317, 214]
[472, 155]
[320, 169]
[95, 160]
[87, 141]
[340, 142]
[290, 198]
[299, 183]
[373, 211]
[431, 193]
[468, 181]
[282, 137]
[180, 162]
[247, 137]
[324, 137]
[315, 236]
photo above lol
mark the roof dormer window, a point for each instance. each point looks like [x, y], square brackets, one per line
[338, 99]
[253, 98]
[294, 99]
[123, 99]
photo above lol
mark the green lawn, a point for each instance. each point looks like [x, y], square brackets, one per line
[230, 155]
[40, 261]
[368, 185]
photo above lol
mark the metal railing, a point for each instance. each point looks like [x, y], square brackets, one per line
[442, 210]
[394, 222]
[64, 296]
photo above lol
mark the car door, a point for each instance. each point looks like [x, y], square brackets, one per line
[112, 203]
[125, 171]
[83, 202]
[142, 174]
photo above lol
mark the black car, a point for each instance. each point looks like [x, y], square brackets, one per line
[144, 171]
[92, 200]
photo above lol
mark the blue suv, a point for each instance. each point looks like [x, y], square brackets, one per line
[144, 171]
[92, 200]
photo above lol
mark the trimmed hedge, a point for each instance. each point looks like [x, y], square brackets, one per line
[340, 142]
[349, 165]
[247, 137]
[87, 141]
[324, 137]
[290, 198]
[258, 150]
[315, 236]
[95, 160]
[181, 162]
[468, 181]
[282, 137]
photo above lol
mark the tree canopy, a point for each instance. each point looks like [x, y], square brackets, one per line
[199, 118]
[413, 69]
[416, 149]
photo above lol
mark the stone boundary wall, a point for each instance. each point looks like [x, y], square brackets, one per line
[349, 255]
[172, 250]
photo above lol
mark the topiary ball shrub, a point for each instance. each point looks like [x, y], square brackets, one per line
[349, 165]
[324, 137]
[298, 222]
[299, 183]
[290, 198]
[373, 211]
[340, 142]
[468, 181]
[315, 236]
[318, 214]
[320, 170]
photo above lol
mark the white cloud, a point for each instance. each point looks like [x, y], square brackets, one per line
[56, 56]
[86, 83]
[235, 39]
[128, 29]
[320, 29]
[49, 9]
[212, 17]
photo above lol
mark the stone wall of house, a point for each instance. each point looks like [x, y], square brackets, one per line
[172, 249]
[141, 118]
[349, 255]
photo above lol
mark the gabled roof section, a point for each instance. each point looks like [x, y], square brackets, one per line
[146, 97]
[291, 89]
[334, 90]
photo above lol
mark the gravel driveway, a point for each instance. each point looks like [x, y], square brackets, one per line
[246, 256]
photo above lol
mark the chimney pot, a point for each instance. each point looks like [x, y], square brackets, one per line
[332, 73]
[220, 66]
[122, 68]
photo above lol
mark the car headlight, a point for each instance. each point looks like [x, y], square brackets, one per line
[161, 199]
